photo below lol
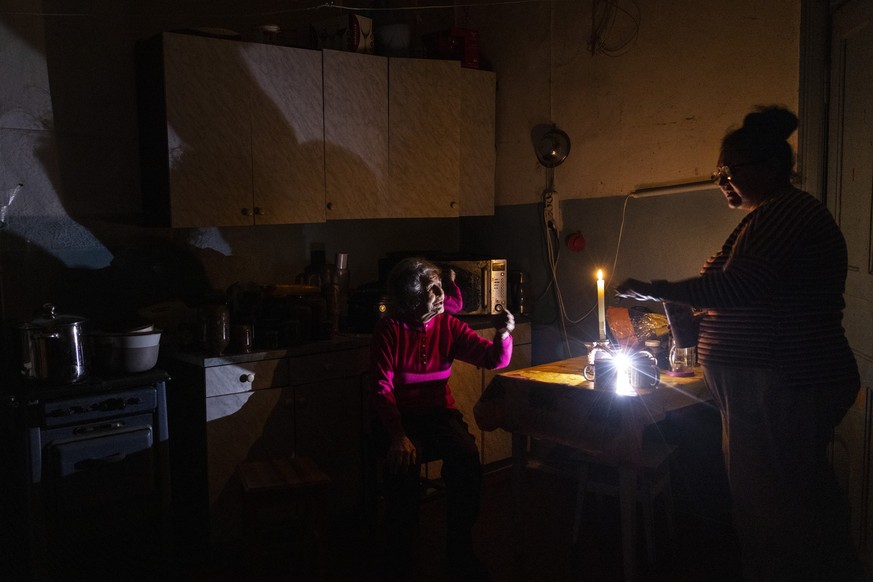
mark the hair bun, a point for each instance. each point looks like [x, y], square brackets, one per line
[771, 123]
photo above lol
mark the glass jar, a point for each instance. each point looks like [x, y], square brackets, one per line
[682, 361]
[215, 328]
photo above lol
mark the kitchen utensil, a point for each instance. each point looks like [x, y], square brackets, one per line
[54, 348]
[215, 328]
[130, 352]
[682, 360]
[241, 337]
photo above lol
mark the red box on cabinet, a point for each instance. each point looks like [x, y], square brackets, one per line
[458, 44]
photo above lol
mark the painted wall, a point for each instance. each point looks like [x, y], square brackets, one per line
[653, 114]
[650, 111]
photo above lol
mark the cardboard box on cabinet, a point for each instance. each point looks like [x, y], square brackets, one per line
[345, 33]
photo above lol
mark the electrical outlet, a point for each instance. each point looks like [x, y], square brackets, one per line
[552, 211]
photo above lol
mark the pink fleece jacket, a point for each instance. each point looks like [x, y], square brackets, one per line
[410, 364]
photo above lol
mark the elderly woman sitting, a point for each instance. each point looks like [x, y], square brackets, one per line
[411, 360]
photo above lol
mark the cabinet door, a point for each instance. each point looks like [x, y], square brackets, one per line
[478, 152]
[330, 431]
[423, 138]
[356, 135]
[287, 134]
[255, 426]
[208, 131]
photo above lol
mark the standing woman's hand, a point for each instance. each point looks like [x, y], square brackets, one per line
[636, 289]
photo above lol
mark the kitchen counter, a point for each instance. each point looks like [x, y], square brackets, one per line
[340, 342]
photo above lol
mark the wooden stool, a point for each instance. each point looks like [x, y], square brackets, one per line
[284, 509]
[652, 480]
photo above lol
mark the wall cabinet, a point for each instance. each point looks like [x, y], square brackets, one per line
[407, 138]
[424, 137]
[231, 133]
[478, 150]
[356, 135]
[236, 134]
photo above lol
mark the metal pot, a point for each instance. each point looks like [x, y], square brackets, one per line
[55, 348]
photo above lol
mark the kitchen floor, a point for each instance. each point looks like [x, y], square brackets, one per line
[705, 548]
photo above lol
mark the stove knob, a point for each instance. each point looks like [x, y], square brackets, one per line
[109, 404]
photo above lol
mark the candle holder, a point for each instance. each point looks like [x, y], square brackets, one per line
[600, 348]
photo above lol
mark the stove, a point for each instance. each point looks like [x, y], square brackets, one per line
[97, 476]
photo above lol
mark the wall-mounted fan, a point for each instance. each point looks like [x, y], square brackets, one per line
[551, 145]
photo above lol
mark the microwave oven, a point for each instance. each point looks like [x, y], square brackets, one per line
[483, 283]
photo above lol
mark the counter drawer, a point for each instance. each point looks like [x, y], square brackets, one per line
[329, 366]
[234, 378]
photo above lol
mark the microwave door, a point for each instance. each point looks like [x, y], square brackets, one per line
[470, 278]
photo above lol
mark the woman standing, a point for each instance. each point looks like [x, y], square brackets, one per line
[775, 357]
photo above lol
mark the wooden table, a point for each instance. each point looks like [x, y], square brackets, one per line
[556, 403]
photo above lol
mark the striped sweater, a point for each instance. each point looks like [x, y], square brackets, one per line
[410, 364]
[773, 294]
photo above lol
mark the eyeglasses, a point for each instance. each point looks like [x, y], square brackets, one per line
[724, 174]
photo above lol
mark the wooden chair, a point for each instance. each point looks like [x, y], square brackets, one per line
[285, 515]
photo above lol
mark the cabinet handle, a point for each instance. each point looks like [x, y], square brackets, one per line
[329, 205]
[246, 212]
[259, 211]
[453, 204]
[250, 377]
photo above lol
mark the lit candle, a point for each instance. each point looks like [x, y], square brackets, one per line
[601, 306]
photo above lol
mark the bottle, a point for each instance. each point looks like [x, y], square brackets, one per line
[518, 292]
[330, 291]
[341, 273]
[313, 273]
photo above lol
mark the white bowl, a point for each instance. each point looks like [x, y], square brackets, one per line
[139, 339]
[127, 352]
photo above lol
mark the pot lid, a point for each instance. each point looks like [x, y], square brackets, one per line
[47, 316]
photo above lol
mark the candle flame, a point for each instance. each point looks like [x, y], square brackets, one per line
[600, 274]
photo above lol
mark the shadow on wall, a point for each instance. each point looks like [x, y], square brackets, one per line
[69, 245]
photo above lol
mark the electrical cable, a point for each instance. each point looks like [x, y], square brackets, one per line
[320, 6]
[606, 22]
[553, 255]
[553, 251]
